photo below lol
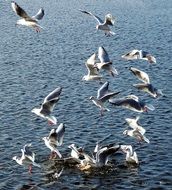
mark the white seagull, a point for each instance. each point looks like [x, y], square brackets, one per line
[54, 140]
[144, 77]
[131, 156]
[48, 106]
[146, 86]
[93, 73]
[103, 94]
[137, 131]
[105, 62]
[103, 25]
[101, 157]
[139, 54]
[133, 123]
[27, 158]
[26, 20]
[133, 103]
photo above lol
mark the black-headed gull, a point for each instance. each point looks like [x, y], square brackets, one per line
[105, 63]
[137, 131]
[48, 106]
[133, 103]
[131, 155]
[139, 54]
[54, 140]
[27, 159]
[141, 75]
[93, 73]
[103, 94]
[26, 20]
[103, 25]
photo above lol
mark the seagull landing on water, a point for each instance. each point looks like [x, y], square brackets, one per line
[133, 103]
[139, 54]
[48, 106]
[54, 140]
[105, 62]
[27, 158]
[103, 25]
[131, 155]
[26, 20]
[103, 94]
[93, 73]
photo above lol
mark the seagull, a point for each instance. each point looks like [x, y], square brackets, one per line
[103, 95]
[101, 158]
[27, 158]
[76, 152]
[93, 73]
[133, 123]
[133, 103]
[149, 88]
[105, 62]
[54, 140]
[137, 131]
[131, 156]
[103, 25]
[139, 54]
[26, 20]
[48, 106]
[140, 75]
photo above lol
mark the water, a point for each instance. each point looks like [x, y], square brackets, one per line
[32, 65]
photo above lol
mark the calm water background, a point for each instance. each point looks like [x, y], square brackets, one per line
[32, 65]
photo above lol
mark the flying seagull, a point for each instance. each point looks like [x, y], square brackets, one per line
[93, 73]
[105, 62]
[139, 54]
[144, 77]
[27, 158]
[133, 123]
[133, 103]
[103, 25]
[54, 140]
[48, 106]
[103, 94]
[26, 20]
[146, 86]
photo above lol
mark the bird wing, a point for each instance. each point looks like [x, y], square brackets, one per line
[60, 133]
[109, 95]
[109, 20]
[19, 11]
[99, 20]
[39, 15]
[54, 95]
[56, 135]
[102, 90]
[140, 75]
[90, 64]
[28, 153]
[103, 55]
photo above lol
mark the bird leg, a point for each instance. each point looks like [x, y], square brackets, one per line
[50, 123]
[30, 169]
[37, 29]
